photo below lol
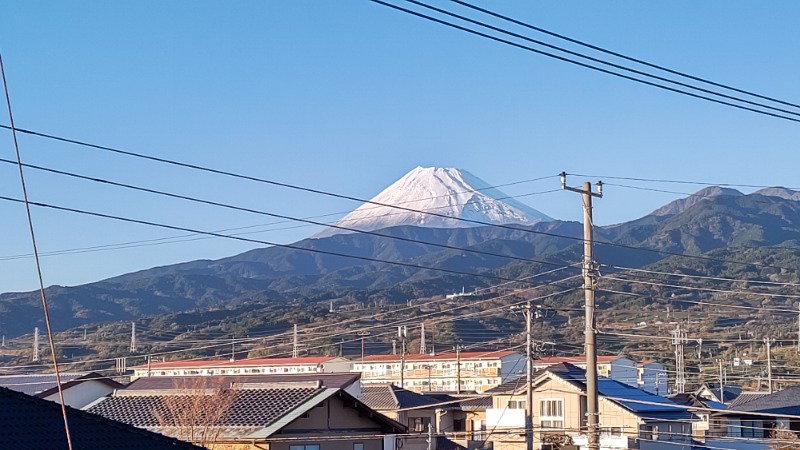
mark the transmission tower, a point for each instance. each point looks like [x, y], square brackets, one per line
[133, 337]
[36, 343]
[678, 340]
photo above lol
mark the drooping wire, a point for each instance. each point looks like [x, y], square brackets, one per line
[42, 294]
[622, 56]
[586, 65]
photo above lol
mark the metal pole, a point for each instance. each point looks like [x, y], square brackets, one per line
[592, 401]
[458, 369]
[528, 379]
[402, 333]
[768, 341]
[590, 343]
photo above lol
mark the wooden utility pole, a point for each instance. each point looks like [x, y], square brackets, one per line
[529, 378]
[402, 333]
[458, 369]
[769, 342]
[589, 279]
[363, 334]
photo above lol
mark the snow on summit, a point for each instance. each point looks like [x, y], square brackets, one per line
[449, 192]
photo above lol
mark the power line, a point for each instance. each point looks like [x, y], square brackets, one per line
[278, 216]
[256, 241]
[620, 55]
[347, 197]
[600, 61]
[585, 65]
[42, 293]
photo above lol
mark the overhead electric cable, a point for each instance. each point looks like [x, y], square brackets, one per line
[278, 216]
[598, 60]
[622, 56]
[584, 65]
[42, 294]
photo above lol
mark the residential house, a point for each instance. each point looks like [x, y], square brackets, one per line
[629, 417]
[710, 420]
[651, 376]
[443, 372]
[719, 393]
[619, 368]
[28, 422]
[750, 424]
[260, 366]
[249, 412]
[79, 389]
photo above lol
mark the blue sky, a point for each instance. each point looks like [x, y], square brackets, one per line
[347, 96]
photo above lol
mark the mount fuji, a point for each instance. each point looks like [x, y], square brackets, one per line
[437, 198]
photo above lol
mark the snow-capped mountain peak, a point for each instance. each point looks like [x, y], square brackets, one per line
[449, 194]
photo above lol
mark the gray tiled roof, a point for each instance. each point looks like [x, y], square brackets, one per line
[786, 401]
[27, 422]
[251, 407]
[35, 383]
[745, 397]
[386, 397]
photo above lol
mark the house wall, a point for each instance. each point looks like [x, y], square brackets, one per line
[82, 394]
[653, 378]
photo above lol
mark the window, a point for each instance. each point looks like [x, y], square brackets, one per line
[751, 429]
[551, 413]
[358, 446]
[418, 424]
[304, 447]
[611, 431]
[516, 404]
[647, 432]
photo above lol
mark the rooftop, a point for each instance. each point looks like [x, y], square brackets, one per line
[28, 422]
[35, 383]
[495, 354]
[214, 363]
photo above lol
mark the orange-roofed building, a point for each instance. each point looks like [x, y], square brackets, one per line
[260, 366]
[449, 372]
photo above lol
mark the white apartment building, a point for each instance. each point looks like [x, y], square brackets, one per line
[261, 366]
[450, 372]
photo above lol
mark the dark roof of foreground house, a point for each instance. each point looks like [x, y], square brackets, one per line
[28, 422]
[33, 384]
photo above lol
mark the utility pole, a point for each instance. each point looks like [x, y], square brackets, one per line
[36, 343]
[133, 337]
[233, 347]
[295, 343]
[363, 334]
[769, 342]
[529, 378]
[721, 382]
[589, 279]
[458, 368]
[678, 340]
[422, 349]
[402, 333]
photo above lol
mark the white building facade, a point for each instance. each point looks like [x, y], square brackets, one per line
[450, 372]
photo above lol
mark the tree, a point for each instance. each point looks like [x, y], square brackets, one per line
[783, 439]
[196, 411]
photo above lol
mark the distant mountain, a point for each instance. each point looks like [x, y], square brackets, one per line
[713, 220]
[781, 192]
[681, 205]
[451, 194]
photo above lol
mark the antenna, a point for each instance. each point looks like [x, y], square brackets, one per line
[36, 343]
